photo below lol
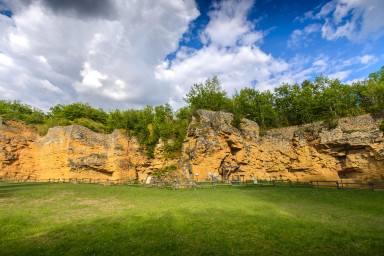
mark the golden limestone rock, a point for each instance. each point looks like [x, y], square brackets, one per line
[70, 152]
[353, 150]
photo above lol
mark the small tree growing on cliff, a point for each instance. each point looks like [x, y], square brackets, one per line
[208, 96]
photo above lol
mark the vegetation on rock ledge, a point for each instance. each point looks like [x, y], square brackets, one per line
[323, 99]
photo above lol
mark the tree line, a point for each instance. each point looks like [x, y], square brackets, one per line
[149, 124]
[323, 99]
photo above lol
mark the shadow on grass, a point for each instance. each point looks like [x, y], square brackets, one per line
[195, 233]
[7, 189]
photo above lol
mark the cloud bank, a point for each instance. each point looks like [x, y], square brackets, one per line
[127, 54]
[65, 51]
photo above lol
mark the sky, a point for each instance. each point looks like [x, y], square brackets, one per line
[129, 53]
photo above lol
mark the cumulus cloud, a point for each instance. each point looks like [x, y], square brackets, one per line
[231, 16]
[101, 52]
[115, 53]
[237, 63]
[236, 68]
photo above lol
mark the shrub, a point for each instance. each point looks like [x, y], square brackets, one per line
[381, 127]
[166, 169]
[237, 121]
[331, 123]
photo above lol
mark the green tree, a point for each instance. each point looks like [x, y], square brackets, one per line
[337, 99]
[208, 96]
[370, 92]
[16, 110]
[256, 106]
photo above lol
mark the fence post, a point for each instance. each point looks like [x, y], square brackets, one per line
[371, 187]
[337, 184]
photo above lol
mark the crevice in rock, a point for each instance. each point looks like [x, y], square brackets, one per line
[90, 168]
[349, 173]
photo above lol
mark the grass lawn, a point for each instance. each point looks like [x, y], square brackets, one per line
[88, 219]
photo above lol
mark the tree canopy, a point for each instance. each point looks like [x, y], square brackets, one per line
[208, 96]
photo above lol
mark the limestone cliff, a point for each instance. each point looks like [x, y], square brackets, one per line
[353, 150]
[72, 152]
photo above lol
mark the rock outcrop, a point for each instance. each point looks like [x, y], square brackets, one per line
[353, 150]
[72, 152]
[212, 148]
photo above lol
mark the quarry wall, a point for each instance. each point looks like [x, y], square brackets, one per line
[353, 150]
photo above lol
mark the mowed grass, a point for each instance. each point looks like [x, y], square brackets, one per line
[88, 219]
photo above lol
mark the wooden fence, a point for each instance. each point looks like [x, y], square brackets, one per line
[177, 184]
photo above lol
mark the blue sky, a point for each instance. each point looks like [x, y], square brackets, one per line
[127, 54]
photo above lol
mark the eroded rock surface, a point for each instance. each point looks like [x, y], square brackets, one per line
[72, 152]
[353, 150]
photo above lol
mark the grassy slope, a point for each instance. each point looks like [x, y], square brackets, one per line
[85, 219]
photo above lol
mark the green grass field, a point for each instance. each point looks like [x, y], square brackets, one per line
[87, 219]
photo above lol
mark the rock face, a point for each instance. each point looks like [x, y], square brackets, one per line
[353, 150]
[72, 152]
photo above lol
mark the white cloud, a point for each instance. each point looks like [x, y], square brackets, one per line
[321, 64]
[237, 65]
[63, 51]
[47, 85]
[353, 19]
[355, 80]
[229, 26]
[341, 75]
[301, 37]
[368, 59]
[236, 68]
[18, 42]
[68, 52]
[92, 79]
[326, 9]
[337, 68]
[5, 61]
